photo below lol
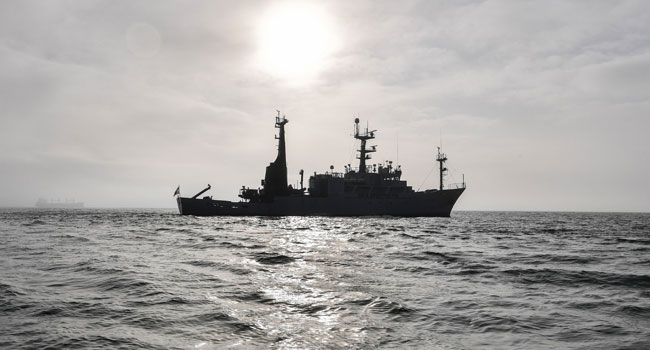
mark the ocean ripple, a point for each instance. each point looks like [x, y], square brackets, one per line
[124, 279]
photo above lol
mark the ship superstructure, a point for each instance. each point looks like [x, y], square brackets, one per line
[375, 189]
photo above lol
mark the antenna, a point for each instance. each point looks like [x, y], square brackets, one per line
[397, 149]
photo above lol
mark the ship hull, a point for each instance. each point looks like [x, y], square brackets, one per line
[428, 203]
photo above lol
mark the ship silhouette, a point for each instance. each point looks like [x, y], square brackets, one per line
[58, 204]
[369, 190]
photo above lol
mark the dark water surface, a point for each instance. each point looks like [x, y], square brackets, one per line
[153, 279]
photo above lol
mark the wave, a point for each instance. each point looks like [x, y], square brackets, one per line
[560, 258]
[442, 257]
[642, 312]
[572, 278]
[634, 240]
[218, 266]
[273, 259]
[98, 342]
[35, 223]
[475, 269]
[126, 285]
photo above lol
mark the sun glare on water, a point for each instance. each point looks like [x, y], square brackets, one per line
[295, 41]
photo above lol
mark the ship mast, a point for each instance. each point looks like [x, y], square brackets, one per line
[442, 158]
[363, 151]
[282, 154]
[275, 180]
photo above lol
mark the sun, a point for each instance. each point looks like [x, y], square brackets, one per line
[295, 41]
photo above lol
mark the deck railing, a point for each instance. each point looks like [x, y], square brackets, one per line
[455, 186]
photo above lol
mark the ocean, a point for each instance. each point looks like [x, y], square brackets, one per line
[152, 279]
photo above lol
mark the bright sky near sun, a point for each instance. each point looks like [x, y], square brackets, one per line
[542, 105]
[294, 41]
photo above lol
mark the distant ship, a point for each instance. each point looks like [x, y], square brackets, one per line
[369, 190]
[67, 204]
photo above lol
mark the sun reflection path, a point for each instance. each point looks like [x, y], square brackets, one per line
[311, 283]
[308, 300]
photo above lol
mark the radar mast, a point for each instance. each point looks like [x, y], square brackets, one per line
[442, 158]
[363, 151]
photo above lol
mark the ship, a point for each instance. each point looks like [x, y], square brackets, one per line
[58, 204]
[366, 190]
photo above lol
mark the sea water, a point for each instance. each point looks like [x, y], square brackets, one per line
[101, 278]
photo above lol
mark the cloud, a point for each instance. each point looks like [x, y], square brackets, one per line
[100, 98]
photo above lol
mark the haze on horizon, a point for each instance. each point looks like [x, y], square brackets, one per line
[543, 105]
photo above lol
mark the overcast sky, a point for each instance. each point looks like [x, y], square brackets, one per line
[543, 105]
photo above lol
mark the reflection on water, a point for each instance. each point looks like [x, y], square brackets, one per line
[300, 297]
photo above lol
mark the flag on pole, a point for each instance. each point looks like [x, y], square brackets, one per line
[177, 192]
